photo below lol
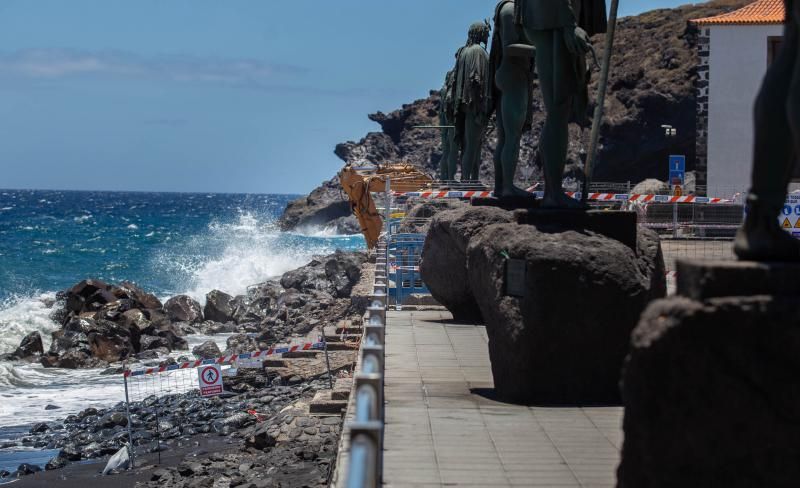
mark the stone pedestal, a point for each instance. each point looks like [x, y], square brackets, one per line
[506, 203]
[444, 257]
[619, 226]
[560, 300]
[711, 386]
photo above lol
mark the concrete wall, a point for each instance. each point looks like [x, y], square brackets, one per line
[737, 63]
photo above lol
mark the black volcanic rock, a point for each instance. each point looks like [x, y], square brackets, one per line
[444, 265]
[31, 345]
[218, 307]
[325, 204]
[183, 308]
[562, 339]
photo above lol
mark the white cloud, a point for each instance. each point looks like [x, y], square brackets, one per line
[49, 64]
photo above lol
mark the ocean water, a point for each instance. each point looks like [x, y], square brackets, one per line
[168, 243]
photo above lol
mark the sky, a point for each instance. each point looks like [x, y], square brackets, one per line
[240, 96]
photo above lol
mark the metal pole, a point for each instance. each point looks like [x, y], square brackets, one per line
[131, 452]
[388, 231]
[594, 138]
[158, 434]
[327, 359]
[388, 208]
[674, 220]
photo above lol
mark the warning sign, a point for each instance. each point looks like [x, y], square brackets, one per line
[210, 379]
[790, 216]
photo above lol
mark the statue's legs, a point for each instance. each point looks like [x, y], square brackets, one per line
[775, 115]
[473, 141]
[452, 156]
[793, 111]
[553, 65]
[512, 80]
[444, 167]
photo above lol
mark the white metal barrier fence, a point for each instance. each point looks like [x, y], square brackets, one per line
[149, 389]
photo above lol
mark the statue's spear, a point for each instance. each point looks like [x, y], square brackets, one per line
[594, 138]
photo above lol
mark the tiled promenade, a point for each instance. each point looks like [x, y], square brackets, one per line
[442, 429]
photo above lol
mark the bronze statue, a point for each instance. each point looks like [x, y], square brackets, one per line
[511, 59]
[561, 48]
[449, 162]
[472, 98]
[777, 146]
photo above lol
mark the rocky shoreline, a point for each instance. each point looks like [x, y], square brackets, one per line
[264, 414]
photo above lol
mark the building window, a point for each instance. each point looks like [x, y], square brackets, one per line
[773, 47]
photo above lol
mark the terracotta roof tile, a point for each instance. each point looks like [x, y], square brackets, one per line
[759, 12]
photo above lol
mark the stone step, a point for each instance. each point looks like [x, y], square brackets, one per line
[275, 363]
[342, 388]
[301, 354]
[352, 329]
[323, 403]
[342, 346]
[338, 338]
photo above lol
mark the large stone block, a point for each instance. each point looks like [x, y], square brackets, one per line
[564, 334]
[711, 390]
[444, 257]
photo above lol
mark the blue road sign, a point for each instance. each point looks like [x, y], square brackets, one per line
[677, 163]
[677, 170]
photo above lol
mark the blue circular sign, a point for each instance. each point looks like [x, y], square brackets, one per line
[787, 210]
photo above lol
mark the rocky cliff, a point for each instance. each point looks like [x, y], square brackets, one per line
[652, 82]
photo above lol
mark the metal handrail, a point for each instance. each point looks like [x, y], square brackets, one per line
[366, 428]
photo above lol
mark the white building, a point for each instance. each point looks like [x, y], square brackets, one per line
[735, 51]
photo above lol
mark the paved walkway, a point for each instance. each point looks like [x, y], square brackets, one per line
[443, 430]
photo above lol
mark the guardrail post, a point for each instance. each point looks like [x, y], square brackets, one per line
[378, 298]
[376, 315]
[365, 456]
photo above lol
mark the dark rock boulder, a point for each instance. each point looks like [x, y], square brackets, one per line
[145, 300]
[564, 336]
[710, 391]
[76, 298]
[183, 308]
[321, 206]
[207, 350]
[218, 307]
[336, 274]
[343, 270]
[153, 343]
[111, 342]
[27, 469]
[292, 299]
[84, 343]
[173, 337]
[57, 462]
[210, 328]
[444, 257]
[418, 218]
[240, 344]
[30, 346]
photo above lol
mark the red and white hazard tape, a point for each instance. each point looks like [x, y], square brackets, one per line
[227, 359]
[599, 197]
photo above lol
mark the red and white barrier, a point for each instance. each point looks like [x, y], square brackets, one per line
[597, 197]
[227, 359]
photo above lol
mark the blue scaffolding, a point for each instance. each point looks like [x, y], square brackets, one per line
[404, 252]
